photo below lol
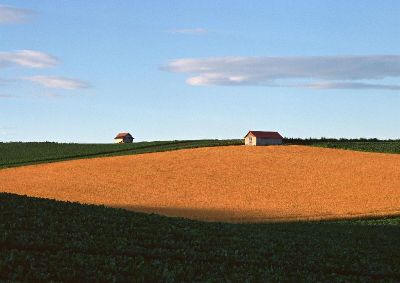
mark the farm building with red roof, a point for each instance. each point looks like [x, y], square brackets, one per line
[123, 138]
[262, 138]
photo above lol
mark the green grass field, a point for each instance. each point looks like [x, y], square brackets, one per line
[18, 153]
[43, 240]
[372, 145]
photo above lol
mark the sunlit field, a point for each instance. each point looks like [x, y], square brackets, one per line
[234, 183]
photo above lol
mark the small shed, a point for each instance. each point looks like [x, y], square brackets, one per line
[123, 138]
[262, 138]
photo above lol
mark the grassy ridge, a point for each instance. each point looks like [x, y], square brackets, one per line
[43, 240]
[368, 145]
[18, 153]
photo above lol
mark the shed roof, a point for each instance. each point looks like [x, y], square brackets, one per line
[265, 135]
[122, 135]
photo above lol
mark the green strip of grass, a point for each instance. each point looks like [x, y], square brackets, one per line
[43, 240]
[371, 145]
[19, 154]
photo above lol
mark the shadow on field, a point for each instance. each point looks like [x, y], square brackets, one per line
[209, 215]
[248, 216]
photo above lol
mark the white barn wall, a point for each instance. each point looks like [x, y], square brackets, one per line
[247, 140]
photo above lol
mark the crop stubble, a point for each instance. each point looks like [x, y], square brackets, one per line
[235, 183]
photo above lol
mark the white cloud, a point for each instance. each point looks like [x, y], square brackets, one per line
[27, 58]
[189, 31]
[218, 79]
[37, 59]
[343, 72]
[10, 15]
[58, 82]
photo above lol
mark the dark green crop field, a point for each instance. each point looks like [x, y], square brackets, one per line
[371, 145]
[18, 153]
[43, 240]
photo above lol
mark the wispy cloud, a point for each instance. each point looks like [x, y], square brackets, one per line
[11, 15]
[349, 85]
[37, 59]
[4, 81]
[50, 94]
[335, 72]
[6, 96]
[58, 82]
[5, 131]
[27, 58]
[189, 31]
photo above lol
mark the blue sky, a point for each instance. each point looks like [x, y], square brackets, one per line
[81, 71]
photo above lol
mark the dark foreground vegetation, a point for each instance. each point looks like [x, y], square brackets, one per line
[43, 240]
[19, 153]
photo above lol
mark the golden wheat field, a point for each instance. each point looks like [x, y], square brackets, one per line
[235, 183]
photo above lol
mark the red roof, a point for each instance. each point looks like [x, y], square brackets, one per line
[266, 135]
[122, 135]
